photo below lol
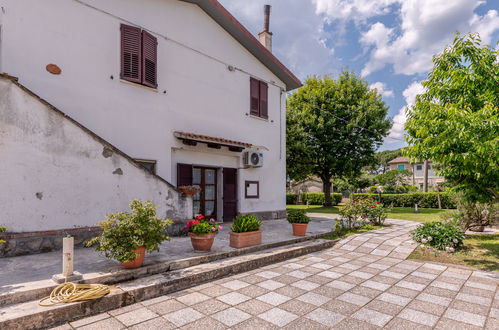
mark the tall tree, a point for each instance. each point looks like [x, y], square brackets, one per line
[380, 166]
[334, 128]
[455, 122]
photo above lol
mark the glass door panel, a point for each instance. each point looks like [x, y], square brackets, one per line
[205, 199]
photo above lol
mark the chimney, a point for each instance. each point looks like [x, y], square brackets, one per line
[266, 36]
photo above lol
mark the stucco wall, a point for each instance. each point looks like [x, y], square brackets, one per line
[195, 93]
[56, 175]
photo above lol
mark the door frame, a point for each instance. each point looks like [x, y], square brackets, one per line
[202, 184]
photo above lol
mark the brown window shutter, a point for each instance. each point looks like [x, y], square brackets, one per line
[254, 97]
[131, 42]
[184, 175]
[263, 100]
[149, 59]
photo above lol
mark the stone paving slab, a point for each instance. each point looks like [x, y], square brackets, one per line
[400, 294]
[29, 277]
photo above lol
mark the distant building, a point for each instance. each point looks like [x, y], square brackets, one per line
[417, 169]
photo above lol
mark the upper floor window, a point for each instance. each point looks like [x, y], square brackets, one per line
[258, 98]
[138, 56]
[419, 167]
[400, 167]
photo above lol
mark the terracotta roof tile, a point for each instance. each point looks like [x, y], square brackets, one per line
[206, 138]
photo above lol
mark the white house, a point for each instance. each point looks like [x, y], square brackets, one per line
[180, 86]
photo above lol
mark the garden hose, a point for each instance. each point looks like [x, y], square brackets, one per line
[71, 292]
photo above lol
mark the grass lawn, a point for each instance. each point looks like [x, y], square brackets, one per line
[481, 251]
[404, 213]
[347, 232]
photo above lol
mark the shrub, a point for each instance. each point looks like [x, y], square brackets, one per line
[358, 212]
[318, 198]
[2, 229]
[297, 216]
[200, 226]
[471, 215]
[291, 199]
[245, 223]
[423, 199]
[124, 232]
[439, 235]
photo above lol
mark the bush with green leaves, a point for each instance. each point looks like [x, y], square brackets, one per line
[439, 235]
[245, 223]
[2, 229]
[297, 216]
[423, 199]
[318, 198]
[123, 232]
[473, 216]
[291, 199]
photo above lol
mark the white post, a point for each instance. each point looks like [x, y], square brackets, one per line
[67, 256]
[416, 208]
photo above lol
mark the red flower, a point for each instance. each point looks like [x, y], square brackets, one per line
[192, 223]
[373, 206]
[199, 217]
[377, 202]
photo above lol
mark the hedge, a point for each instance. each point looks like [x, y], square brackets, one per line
[423, 199]
[313, 198]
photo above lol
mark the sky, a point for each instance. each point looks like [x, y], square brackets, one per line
[390, 43]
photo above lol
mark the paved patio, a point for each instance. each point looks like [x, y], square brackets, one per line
[362, 283]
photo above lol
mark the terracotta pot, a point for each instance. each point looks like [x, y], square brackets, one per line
[299, 229]
[137, 262]
[188, 192]
[202, 242]
[240, 240]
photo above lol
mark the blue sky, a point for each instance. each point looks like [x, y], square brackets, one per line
[389, 42]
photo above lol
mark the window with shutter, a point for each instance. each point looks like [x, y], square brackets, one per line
[131, 62]
[149, 59]
[263, 100]
[254, 97]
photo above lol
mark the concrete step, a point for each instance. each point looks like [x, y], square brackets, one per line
[22, 292]
[29, 315]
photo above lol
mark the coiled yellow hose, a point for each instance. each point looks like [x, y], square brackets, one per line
[71, 292]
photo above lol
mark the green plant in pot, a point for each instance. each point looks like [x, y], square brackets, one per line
[299, 221]
[202, 232]
[245, 231]
[2, 229]
[127, 236]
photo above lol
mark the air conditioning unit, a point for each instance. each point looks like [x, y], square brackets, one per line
[252, 158]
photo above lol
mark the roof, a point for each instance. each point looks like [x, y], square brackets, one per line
[210, 139]
[230, 24]
[400, 159]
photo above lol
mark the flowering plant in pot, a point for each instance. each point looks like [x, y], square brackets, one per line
[189, 190]
[299, 221]
[245, 231]
[127, 236]
[202, 232]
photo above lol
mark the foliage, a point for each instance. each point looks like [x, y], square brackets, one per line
[356, 183]
[124, 232]
[393, 189]
[245, 223]
[393, 177]
[455, 122]
[471, 215]
[318, 198]
[2, 229]
[423, 199]
[200, 226]
[439, 235]
[382, 158]
[297, 216]
[291, 199]
[333, 128]
[357, 212]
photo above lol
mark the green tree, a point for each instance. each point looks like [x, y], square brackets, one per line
[393, 178]
[334, 128]
[382, 158]
[455, 122]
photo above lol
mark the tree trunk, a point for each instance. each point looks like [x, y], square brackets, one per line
[326, 188]
[425, 172]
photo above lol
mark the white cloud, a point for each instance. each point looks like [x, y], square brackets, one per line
[299, 39]
[382, 89]
[357, 10]
[426, 27]
[398, 131]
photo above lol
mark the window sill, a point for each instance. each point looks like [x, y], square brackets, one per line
[259, 118]
[139, 85]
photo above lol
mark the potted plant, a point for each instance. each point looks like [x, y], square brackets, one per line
[245, 231]
[189, 190]
[2, 229]
[126, 237]
[202, 233]
[299, 220]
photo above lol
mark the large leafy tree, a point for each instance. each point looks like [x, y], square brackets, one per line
[380, 166]
[334, 128]
[455, 122]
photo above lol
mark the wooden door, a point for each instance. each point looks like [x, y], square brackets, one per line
[205, 201]
[229, 193]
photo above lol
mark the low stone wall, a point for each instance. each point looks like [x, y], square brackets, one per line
[269, 215]
[18, 244]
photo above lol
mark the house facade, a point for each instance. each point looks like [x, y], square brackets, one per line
[180, 86]
[417, 169]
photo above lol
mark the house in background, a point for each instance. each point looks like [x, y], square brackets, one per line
[417, 178]
[178, 87]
